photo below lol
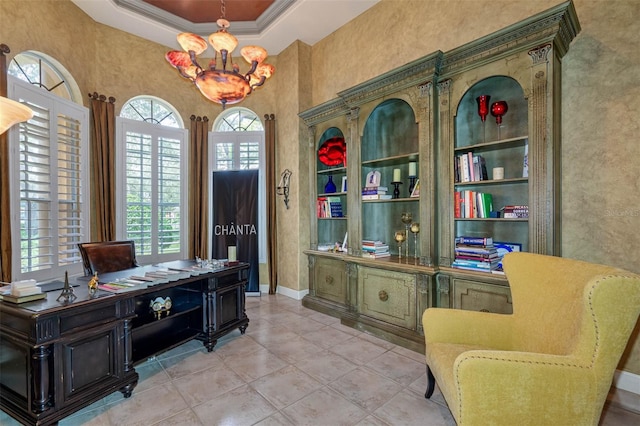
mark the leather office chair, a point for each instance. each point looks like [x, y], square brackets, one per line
[552, 361]
[108, 256]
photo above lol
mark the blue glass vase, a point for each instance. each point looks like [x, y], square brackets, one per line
[330, 186]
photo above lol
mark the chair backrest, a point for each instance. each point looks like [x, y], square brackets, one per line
[548, 300]
[108, 256]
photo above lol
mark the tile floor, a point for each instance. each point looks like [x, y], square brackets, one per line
[294, 366]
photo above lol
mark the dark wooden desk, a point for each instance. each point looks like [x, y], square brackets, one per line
[57, 358]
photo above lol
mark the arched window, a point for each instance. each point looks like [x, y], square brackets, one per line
[152, 110]
[49, 179]
[237, 143]
[45, 72]
[151, 179]
[238, 120]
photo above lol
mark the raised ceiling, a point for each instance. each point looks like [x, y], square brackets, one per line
[273, 24]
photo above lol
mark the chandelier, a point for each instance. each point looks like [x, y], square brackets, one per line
[220, 85]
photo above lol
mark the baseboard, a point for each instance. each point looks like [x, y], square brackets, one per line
[285, 291]
[294, 294]
[626, 381]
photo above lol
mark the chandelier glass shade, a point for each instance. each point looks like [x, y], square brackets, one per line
[216, 82]
[12, 112]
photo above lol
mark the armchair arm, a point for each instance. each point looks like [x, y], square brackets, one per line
[474, 328]
[498, 387]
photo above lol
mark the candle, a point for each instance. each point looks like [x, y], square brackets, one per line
[396, 175]
[231, 253]
[412, 169]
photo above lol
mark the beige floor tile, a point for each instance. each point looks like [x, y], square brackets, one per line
[151, 374]
[397, 367]
[327, 337]
[241, 346]
[285, 386]
[208, 384]
[416, 356]
[294, 350]
[189, 363]
[239, 407]
[407, 408]
[358, 350]
[374, 421]
[183, 418]
[255, 365]
[366, 388]
[326, 366]
[324, 406]
[96, 417]
[148, 407]
[277, 419]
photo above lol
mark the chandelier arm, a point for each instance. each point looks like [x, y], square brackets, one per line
[194, 61]
[254, 65]
[224, 54]
[185, 75]
[260, 83]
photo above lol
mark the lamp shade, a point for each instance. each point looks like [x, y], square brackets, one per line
[12, 112]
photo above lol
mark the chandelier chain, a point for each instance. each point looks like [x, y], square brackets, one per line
[223, 9]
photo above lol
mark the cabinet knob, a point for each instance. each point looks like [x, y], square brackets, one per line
[328, 279]
[382, 295]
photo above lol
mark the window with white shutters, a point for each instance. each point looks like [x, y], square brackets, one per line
[153, 189]
[50, 184]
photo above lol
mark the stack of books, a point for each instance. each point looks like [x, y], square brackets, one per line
[329, 207]
[375, 249]
[476, 254]
[515, 212]
[375, 193]
[23, 291]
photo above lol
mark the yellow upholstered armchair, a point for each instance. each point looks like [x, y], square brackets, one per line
[552, 361]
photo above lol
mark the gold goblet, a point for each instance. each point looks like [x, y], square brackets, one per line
[415, 229]
[400, 237]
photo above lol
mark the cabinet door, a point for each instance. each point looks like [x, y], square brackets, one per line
[230, 302]
[91, 360]
[331, 280]
[388, 296]
[477, 296]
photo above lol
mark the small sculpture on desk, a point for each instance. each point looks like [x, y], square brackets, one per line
[66, 294]
[93, 284]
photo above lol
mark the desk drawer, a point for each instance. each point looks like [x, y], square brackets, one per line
[388, 296]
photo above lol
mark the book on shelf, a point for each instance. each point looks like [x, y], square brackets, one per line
[472, 204]
[367, 190]
[474, 241]
[377, 197]
[375, 255]
[515, 212]
[327, 207]
[470, 167]
[23, 299]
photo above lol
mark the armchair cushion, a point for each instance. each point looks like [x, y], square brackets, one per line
[551, 361]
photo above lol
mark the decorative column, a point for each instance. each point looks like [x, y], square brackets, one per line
[540, 156]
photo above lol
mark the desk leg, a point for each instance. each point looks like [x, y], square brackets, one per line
[40, 377]
[210, 319]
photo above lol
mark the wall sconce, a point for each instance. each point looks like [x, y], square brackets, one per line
[283, 186]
